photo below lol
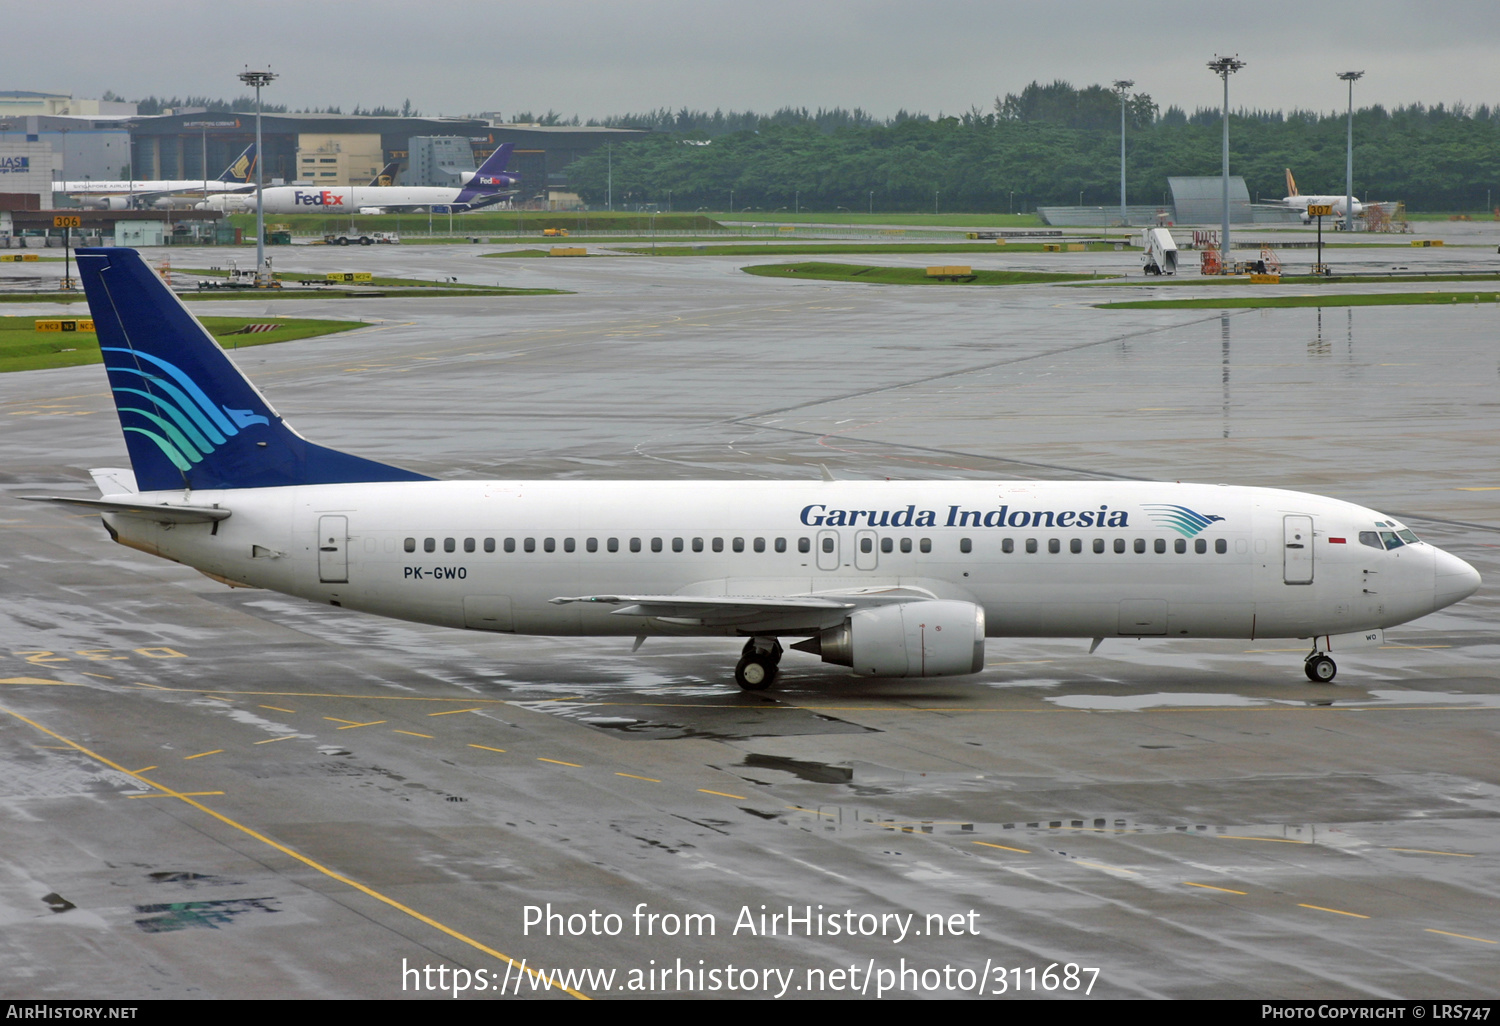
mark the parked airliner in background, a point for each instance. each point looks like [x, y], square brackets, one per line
[489, 184]
[1297, 201]
[889, 578]
[125, 194]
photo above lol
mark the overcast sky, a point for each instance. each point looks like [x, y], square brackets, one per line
[598, 58]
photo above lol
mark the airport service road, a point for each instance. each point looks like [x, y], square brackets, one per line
[229, 793]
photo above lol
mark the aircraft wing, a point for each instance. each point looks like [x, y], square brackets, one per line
[765, 612]
[164, 513]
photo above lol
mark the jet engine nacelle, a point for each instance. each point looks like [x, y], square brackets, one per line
[115, 203]
[912, 639]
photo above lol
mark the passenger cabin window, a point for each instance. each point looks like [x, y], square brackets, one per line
[449, 545]
[468, 544]
[1030, 544]
[510, 545]
[1007, 546]
[676, 544]
[568, 545]
[697, 544]
[613, 545]
[429, 544]
[867, 545]
[592, 544]
[827, 544]
[1119, 544]
[1160, 546]
[1200, 546]
[655, 544]
[905, 544]
[887, 545]
[489, 545]
[1140, 545]
[410, 545]
[760, 545]
[925, 545]
[529, 545]
[635, 545]
[780, 544]
[1098, 544]
[1075, 546]
[1054, 546]
[1180, 545]
[718, 544]
[804, 544]
[965, 545]
[549, 544]
[1221, 546]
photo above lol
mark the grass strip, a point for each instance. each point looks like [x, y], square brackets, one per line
[258, 294]
[1346, 299]
[1309, 279]
[22, 347]
[880, 275]
[808, 248]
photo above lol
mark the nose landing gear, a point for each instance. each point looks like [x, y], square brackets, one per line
[757, 667]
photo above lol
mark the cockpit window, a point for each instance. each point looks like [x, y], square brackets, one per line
[1408, 537]
[1370, 538]
[1390, 539]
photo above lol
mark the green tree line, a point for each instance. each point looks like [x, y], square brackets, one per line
[1047, 145]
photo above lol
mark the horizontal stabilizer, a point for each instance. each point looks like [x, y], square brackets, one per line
[164, 513]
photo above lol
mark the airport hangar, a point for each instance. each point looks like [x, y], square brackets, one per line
[339, 149]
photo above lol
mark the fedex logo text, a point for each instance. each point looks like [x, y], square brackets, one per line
[317, 199]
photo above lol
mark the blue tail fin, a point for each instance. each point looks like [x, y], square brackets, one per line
[241, 170]
[191, 419]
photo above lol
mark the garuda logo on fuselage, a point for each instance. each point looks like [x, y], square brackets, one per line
[1186, 522]
[193, 425]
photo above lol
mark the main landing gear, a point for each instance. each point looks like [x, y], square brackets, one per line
[758, 665]
[1320, 668]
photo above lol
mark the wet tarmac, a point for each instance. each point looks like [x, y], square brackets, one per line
[214, 793]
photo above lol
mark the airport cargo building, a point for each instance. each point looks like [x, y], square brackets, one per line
[340, 149]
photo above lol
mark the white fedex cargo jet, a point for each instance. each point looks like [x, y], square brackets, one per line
[889, 578]
[483, 187]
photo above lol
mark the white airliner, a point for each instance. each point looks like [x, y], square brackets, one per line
[125, 194]
[1297, 201]
[889, 578]
[487, 185]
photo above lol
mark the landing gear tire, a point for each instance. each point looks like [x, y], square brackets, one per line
[755, 672]
[1320, 669]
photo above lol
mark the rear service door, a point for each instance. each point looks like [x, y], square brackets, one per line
[865, 557]
[1297, 566]
[333, 549]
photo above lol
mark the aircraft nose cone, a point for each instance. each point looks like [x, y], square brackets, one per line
[1453, 580]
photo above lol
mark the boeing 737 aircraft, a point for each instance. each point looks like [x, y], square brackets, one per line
[1297, 201]
[124, 194]
[888, 578]
[480, 188]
